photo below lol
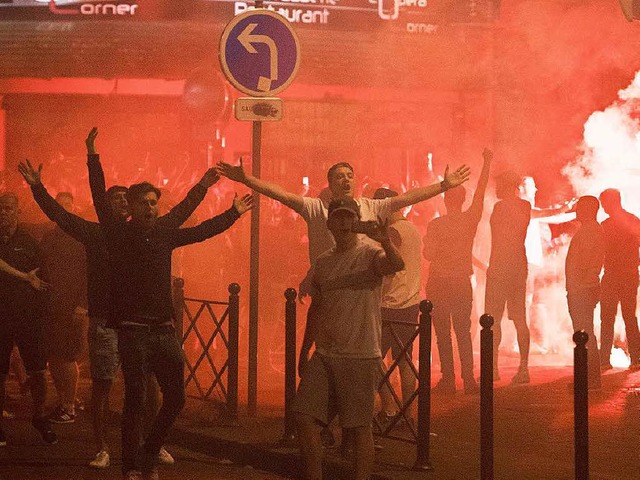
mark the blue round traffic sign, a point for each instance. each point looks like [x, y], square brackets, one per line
[259, 52]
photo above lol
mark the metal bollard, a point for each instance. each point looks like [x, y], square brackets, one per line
[581, 405]
[486, 397]
[233, 351]
[289, 366]
[424, 389]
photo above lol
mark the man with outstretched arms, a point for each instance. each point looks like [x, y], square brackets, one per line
[341, 180]
[103, 341]
[142, 310]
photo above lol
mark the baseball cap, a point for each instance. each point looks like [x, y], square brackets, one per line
[344, 203]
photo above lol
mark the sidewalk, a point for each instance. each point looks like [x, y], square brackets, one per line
[533, 434]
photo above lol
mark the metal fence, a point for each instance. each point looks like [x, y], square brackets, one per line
[208, 331]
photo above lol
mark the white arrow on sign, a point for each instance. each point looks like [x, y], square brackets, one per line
[247, 38]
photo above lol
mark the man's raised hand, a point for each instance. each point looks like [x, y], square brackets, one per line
[458, 177]
[487, 155]
[243, 204]
[232, 172]
[209, 178]
[91, 141]
[30, 174]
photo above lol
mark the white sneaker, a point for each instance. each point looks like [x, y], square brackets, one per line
[102, 460]
[165, 458]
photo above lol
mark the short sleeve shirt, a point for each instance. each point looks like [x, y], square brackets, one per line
[347, 288]
[315, 213]
[509, 223]
[449, 243]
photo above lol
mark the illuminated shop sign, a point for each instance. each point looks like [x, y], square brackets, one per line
[342, 14]
[405, 16]
[65, 9]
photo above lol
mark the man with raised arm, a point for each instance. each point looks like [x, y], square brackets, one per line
[103, 341]
[343, 374]
[142, 310]
[448, 247]
[341, 180]
[507, 273]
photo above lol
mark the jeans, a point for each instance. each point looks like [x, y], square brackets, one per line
[581, 305]
[452, 301]
[143, 352]
[623, 291]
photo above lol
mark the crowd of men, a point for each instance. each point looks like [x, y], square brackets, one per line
[364, 280]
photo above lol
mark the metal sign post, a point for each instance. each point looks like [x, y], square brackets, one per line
[259, 55]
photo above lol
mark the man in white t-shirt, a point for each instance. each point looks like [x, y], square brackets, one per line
[341, 180]
[400, 306]
[342, 376]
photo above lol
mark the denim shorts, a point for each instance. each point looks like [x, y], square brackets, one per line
[103, 350]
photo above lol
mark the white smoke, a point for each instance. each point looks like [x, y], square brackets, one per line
[611, 150]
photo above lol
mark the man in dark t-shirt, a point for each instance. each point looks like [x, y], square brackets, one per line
[620, 279]
[139, 253]
[447, 246]
[21, 314]
[507, 273]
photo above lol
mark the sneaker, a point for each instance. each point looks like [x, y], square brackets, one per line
[165, 458]
[3, 439]
[43, 426]
[62, 415]
[79, 405]
[151, 474]
[132, 475]
[445, 387]
[471, 387]
[522, 376]
[102, 460]
[384, 419]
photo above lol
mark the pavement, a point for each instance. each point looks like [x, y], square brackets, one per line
[533, 436]
[533, 433]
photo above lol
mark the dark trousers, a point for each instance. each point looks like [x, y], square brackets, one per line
[144, 352]
[621, 291]
[452, 299]
[581, 306]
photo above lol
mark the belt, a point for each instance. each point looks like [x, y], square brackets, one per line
[141, 327]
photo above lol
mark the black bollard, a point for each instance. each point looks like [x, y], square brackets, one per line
[233, 352]
[289, 366]
[486, 397]
[424, 389]
[581, 404]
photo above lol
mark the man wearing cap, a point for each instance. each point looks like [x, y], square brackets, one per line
[582, 271]
[507, 273]
[342, 375]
